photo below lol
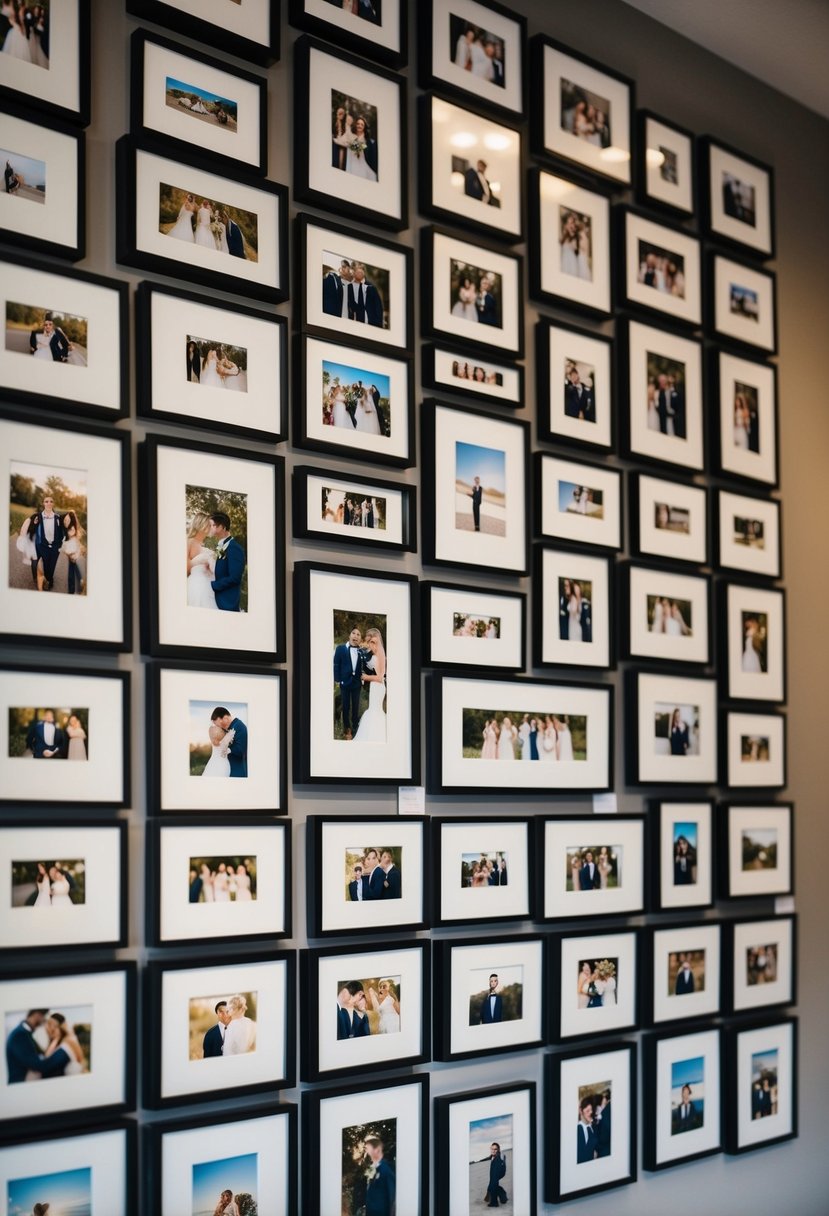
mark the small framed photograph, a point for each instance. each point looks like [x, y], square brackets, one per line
[745, 394]
[211, 881]
[471, 293]
[754, 750]
[224, 503]
[227, 1026]
[737, 198]
[74, 1023]
[473, 627]
[578, 502]
[761, 963]
[375, 28]
[683, 844]
[61, 715]
[468, 373]
[350, 132]
[596, 855]
[366, 286]
[476, 515]
[756, 850]
[478, 51]
[683, 969]
[383, 1009]
[674, 735]
[489, 996]
[478, 724]
[52, 317]
[68, 494]
[754, 644]
[367, 1147]
[748, 534]
[667, 614]
[99, 1165]
[570, 235]
[761, 1083]
[665, 165]
[225, 348]
[742, 303]
[178, 96]
[65, 887]
[681, 1078]
[176, 216]
[594, 983]
[580, 634]
[575, 386]
[592, 1087]
[668, 519]
[483, 870]
[470, 169]
[660, 267]
[470, 1162]
[366, 874]
[663, 375]
[46, 63]
[255, 37]
[372, 737]
[43, 206]
[353, 401]
[352, 511]
[252, 1154]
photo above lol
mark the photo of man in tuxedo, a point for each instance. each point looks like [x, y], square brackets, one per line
[486, 304]
[589, 877]
[233, 233]
[45, 739]
[492, 1010]
[349, 665]
[579, 400]
[24, 1059]
[476, 185]
[587, 1145]
[213, 1042]
[230, 565]
[686, 1116]
[335, 284]
[476, 494]
[351, 1022]
[684, 979]
[358, 887]
[48, 538]
[670, 406]
[365, 302]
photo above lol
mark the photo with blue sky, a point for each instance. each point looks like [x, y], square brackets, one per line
[210, 1178]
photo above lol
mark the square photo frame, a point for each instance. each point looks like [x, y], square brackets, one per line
[665, 165]
[663, 374]
[594, 984]
[578, 502]
[463, 1125]
[761, 963]
[668, 519]
[473, 627]
[756, 849]
[742, 303]
[43, 206]
[575, 386]
[667, 614]
[468, 373]
[471, 293]
[54, 75]
[754, 641]
[737, 198]
[207, 21]
[747, 435]
[580, 633]
[479, 52]
[675, 739]
[98, 1166]
[348, 511]
[374, 28]
[748, 534]
[683, 972]
[682, 1082]
[754, 750]
[761, 1083]
[570, 229]
[483, 869]
[593, 855]
[683, 846]
[660, 268]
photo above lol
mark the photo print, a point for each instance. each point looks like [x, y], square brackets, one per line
[354, 129]
[356, 399]
[478, 373]
[576, 499]
[593, 1133]
[668, 165]
[365, 10]
[480, 486]
[352, 508]
[355, 291]
[579, 390]
[661, 269]
[42, 333]
[575, 609]
[765, 1097]
[23, 176]
[755, 641]
[369, 1167]
[585, 114]
[686, 972]
[496, 996]
[743, 302]
[216, 523]
[676, 730]
[226, 1183]
[476, 50]
[42, 1044]
[475, 294]
[64, 1191]
[749, 532]
[597, 983]
[758, 849]
[687, 1095]
[204, 106]
[207, 223]
[373, 873]
[24, 32]
[593, 867]
[739, 200]
[486, 869]
[50, 883]
[222, 880]
[467, 625]
[755, 631]
[666, 396]
[755, 749]
[743, 297]
[670, 616]
[222, 1025]
[761, 964]
[576, 243]
[570, 226]
[49, 733]
[359, 698]
[746, 418]
[685, 838]
[48, 521]
[491, 1159]
[214, 364]
[668, 518]
[512, 735]
[368, 1006]
[218, 739]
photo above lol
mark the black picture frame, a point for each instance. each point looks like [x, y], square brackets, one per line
[593, 825]
[727, 810]
[590, 201]
[73, 247]
[657, 835]
[79, 113]
[596, 616]
[429, 72]
[760, 717]
[567, 432]
[717, 230]
[491, 916]
[733, 468]
[432, 353]
[717, 323]
[612, 539]
[429, 653]
[170, 17]
[731, 1004]
[699, 684]
[670, 200]
[655, 1013]
[126, 1126]
[659, 304]
[725, 553]
[629, 573]
[335, 32]
[650, 1082]
[734, 1144]
[756, 671]
[303, 529]
[556, 945]
[642, 490]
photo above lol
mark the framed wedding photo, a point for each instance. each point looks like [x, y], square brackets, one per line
[754, 750]
[572, 624]
[737, 194]
[570, 237]
[476, 514]
[578, 502]
[383, 1009]
[182, 97]
[683, 853]
[593, 983]
[471, 1162]
[229, 507]
[68, 498]
[761, 963]
[599, 856]
[574, 374]
[748, 533]
[377, 28]
[468, 373]
[663, 375]
[53, 316]
[665, 165]
[477, 724]
[254, 37]
[52, 72]
[660, 267]
[742, 303]
[471, 293]
[235, 376]
[366, 874]
[43, 207]
[668, 519]
[176, 216]
[682, 971]
[473, 627]
[339, 510]
[682, 1096]
[746, 438]
[753, 620]
[761, 1083]
[97, 1167]
[674, 737]
[483, 869]
[666, 614]
[585, 115]
[756, 850]
[474, 50]
[350, 136]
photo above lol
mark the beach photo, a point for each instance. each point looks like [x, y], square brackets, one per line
[48, 541]
[743, 302]
[487, 869]
[495, 996]
[222, 1025]
[356, 398]
[216, 526]
[686, 972]
[63, 1193]
[23, 177]
[687, 1095]
[216, 364]
[201, 103]
[491, 1162]
[512, 735]
[41, 333]
[208, 223]
[480, 489]
[368, 1006]
[49, 883]
[593, 867]
[218, 739]
[226, 880]
[48, 733]
[676, 729]
[229, 1185]
[354, 137]
[580, 500]
[368, 1169]
[45, 1043]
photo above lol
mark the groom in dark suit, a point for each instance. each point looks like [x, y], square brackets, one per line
[230, 564]
[235, 240]
[684, 979]
[348, 674]
[58, 342]
[23, 1054]
[334, 288]
[45, 739]
[49, 535]
[213, 1044]
[487, 308]
[237, 753]
[587, 1142]
[492, 1010]
[364, 299]
[589, 877]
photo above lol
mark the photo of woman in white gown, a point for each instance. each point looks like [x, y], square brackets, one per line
[372, 725]
[465, 307]
[60, 888]
[360, 148]
[209, 370]
[387, 1006]
[565, 739]
[16, 43]
[240, 1036]
[574, 605]
[204, 218]
[44, 887]
[366, 418]
[219, 764]
[182, 230]
[201, 563]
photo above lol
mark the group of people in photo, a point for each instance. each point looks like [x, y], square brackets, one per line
[585, 115]
[224, 884]
[209, 226]
[544, 737]
[375, 876]
[574, 612]
[662, 271]
[666, 617]
[26, 34]
[355, 513]
[349, 294]
[590, 871]
[468, 626]
[352, 1009]
[487, 872]
[50, 739]
[214, 368]
[597, 984]
[480, 53]
[666, 406]
[475, 373]
[356, 407]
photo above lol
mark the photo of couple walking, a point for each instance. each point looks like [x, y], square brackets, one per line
[216, 570]
[47, 520]
[359, 678]
[207, 224]
[218, 740]
[44, 1043]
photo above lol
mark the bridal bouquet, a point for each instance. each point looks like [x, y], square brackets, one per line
[216, 229]
[358, 146]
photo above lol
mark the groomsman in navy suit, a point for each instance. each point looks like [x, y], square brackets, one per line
[230, 565]
[235, 239]
[367, 305]
[589, 877]
[358, 887]
[49, 536]
[602, 1125]
[492, 1008]
[213, 1044]
[686, 1116]
[587, 1145]
[684, 979]
[45, 740]
[392, 879]
[334, 298]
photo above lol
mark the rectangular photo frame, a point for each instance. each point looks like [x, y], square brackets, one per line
[683, 968]
[457, 619]
[737, 194]
[570, 229]
[578, 501]
[572, 625]
[742, 303]
[479, 52]
[99, 1166]
[665, 168]
[471, 293]
[207, 22]
[746, 438]
[749, 534]
[593, 984]
[664, 379]
[575, 386]
[340, 510]
[761, 963]
[754, 750]
[666, 614]
[756, 849]
[675, 737]
[683, 850]
[467, 373]
[682, 1082]
[490, 882]
[592, 855]
[375, 29]
[43, 206]
[668, 519]
[660, 267]
[61, 47]
[463, 1124]
[753, 620]
[761, 1083]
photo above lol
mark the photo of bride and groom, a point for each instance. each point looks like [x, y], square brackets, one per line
[368, 1006]
[222, 1026]
[48, 883]
[227, 1187]
[24, 32]
[475, 294]
[44, 334]
[218, 739]
[353, 136]
[208, 224]
[44, 1043]
[203, 105]
[216, 570]
[359, 677]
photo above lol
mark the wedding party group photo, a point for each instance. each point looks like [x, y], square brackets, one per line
[216, 364]
[207, 223]
[48, 545]
[356, 399]
[355, 291]
[593, 867]
[512, 735]
[353, 509]
[486, 869]
[203, 105]
[47, 334]
[222, 880]
[24, 31]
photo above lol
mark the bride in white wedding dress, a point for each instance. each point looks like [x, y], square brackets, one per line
[182, 230]
[218, 766]
[372, 728]
[201, 563]
[209, 370]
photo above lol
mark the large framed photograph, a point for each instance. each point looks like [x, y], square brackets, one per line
[489, 996]
[212, 881]
[73, 1024]
[367, 1147]
[471, 1162]
[350, 136]
[580, 633]
[96, 1167]
[254, 36]
[594, 983]
[575, 386]
[756, 850]
[761, 1083]
[475, 50]
[223, 503]
[57, 715]
[585, 115]
[673, 739]
[596, 855]
[742, 303]
[570, 239]
[350, 285]
[372, 731]
[52, 220]
[477, 725]
[754, 750]
[665, 165]
[193, 1165]
[45, 62]
[578, 502]
[383, 1009]
[683, 969]
[737, 194]
[598, 1089]
[761, 963]
[353, 401]
[682, 1083]
[663, 375]
[468, 373]
[667, 615]
[176, 216]
[52, 318]
[483, 869]
[375, 28]
[683, 850]
[748, 534]
[68, 524]
[366, 874]
[63, 887]
[660, 267]
[226, 349]
[470, 169]
[754, 632]
[473, 627]
[668, 519]
[341, 510]
[226, 1025]
[179, 96]
[746, 439]
[471, 293]
[476, 514]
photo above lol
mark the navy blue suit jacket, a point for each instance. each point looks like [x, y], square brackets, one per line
[238, 751]
[585, 1148]
[375, 883]
[42, 546]
[37, 744]
[213, 1044]
[603, 1133]
[360, 1026]
[585, 881]
[343, 673]
[332, 295]
[235, 240]
[488, 1015]
[682, 988]
[393, 878]
[352, 888]
[58, 344]
[487, 313]
[227, 580]
[372, 309]
[381, 1191]
[23, 1055]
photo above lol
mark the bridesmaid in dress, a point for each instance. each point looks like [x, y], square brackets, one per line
[77, 739]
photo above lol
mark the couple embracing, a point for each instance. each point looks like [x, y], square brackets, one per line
[356, 665]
